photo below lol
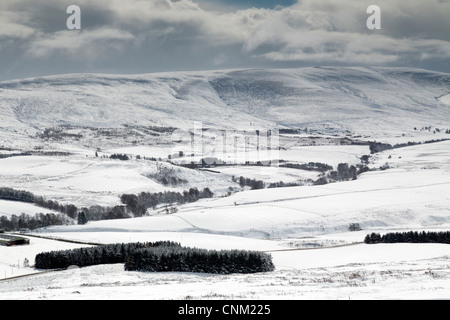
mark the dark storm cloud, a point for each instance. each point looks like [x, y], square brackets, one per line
[158, 35]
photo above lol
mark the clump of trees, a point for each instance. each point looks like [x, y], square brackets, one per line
[82, 257]
[344, 172]
[39, 220]
[161, 256]
[96, 213]
[354, 227]
[183, 259]
[409, 237]
[252, 183]
[167, 176]
[138, 204]
[122, 157]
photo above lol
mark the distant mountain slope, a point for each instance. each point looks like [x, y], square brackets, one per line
[357, 99]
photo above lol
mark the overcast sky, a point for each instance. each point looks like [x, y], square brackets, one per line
[143, 36]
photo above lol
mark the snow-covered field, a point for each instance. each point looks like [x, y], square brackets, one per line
[94, 181]
[398, 271]
[304, 229]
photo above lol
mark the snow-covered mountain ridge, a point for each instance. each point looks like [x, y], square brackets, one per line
[362, 100]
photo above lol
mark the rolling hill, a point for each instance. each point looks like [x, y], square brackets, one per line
[363, 100]
[58, 133]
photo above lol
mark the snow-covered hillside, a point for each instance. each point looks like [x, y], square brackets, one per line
[364, 100]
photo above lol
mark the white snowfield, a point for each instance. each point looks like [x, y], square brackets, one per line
[410, 196]
[304, 228]
[91, 181]
[397, 271]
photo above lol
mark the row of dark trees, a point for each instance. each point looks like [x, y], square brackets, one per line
[376, 147]
[39, 220]
[409, 237]
[138, 204]
[311, 166]
[134, 205]
[344, 172]
[10, 155]
[16, 195]
[89, 256]
[184, 259]
[282, 184]
[93, 213]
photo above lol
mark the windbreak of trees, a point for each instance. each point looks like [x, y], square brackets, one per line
[10, 155]
[16, 195]
[24, 221]
[138, 204]
[311, 166]
[68, 209]
[93, 213]
[409, 237]
[97, 213]
[376, 147]
[184, 259]
[82, 257]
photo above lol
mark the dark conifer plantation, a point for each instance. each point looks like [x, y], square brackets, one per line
[182, 259]
[409, 237]
[163, 256]
[105, 254]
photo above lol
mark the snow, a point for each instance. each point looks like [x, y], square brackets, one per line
[304, 228]
[398, 271]
[94, 181]
[445, 99]
[12, 258]
[268, 174]
[371, 101]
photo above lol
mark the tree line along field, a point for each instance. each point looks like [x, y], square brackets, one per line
[409, 237]
[133, 205]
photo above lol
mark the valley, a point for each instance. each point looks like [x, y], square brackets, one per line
[289, 164]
